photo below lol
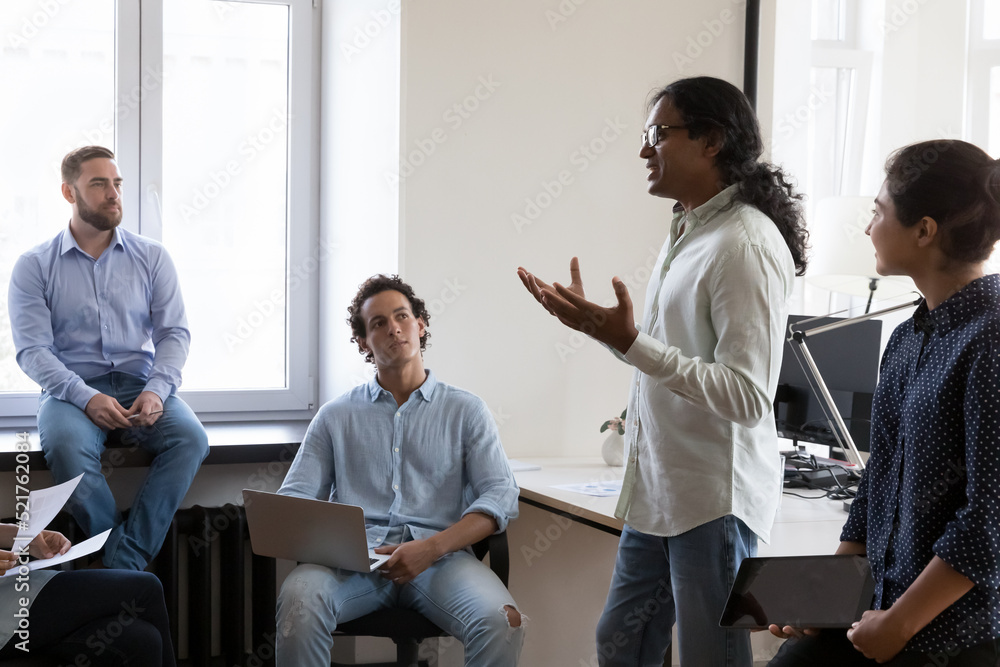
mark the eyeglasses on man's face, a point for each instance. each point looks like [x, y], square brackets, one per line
[654, 133]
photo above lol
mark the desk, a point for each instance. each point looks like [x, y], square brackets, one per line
[564, 573]
[801, 527]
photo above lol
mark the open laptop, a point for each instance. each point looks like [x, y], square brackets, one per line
[800, 591]
[309, 531]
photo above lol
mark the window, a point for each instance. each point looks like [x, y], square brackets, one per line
[823, 98]
[851, 82]
[984, 81]
[198, 106]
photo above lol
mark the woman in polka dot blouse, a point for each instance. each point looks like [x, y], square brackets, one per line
[928, 507]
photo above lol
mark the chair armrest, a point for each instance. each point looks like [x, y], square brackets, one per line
[496, 546]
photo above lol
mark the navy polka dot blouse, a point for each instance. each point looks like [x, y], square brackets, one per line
[932, 485]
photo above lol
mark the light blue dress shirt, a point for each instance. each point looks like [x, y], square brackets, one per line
[418, 468]
[75, 318]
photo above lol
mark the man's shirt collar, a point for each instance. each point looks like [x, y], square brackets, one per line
[68, 241]
[704, 213]
[426, 390]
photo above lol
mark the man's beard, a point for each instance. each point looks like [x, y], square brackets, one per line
[101, 221]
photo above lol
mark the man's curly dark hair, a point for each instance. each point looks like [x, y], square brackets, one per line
[375, 285]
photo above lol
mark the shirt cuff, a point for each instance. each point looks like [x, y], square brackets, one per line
[80, 395]
[646, 352]
[489, 509]
[160, 388]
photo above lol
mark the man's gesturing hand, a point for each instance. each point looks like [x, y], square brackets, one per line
[613, 326]
[535, 285]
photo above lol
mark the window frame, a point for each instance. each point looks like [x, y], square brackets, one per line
[138, 146]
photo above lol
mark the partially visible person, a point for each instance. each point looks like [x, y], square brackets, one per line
[702, 480]
[927, 513]
[104, 618]
[424, 461]
[98, 322]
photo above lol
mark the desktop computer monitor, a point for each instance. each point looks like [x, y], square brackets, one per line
[848, 360]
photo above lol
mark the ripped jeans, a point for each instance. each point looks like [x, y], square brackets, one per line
[458, 593]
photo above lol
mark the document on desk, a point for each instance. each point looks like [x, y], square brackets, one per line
[522, 466]
[76, 551]
[600, 489]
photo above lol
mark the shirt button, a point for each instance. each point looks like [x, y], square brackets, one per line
[396, 450]
[379, 539]
[396, 486]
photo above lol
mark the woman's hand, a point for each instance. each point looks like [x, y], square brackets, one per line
[8, 561]
[878, 635]
[48, 544]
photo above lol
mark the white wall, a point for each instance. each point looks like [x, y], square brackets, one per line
[561, 73]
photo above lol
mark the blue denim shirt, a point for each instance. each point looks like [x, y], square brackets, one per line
[932, 485]
[421, 466]
[75, 318]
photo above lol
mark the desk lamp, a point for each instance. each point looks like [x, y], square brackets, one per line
[843, 259]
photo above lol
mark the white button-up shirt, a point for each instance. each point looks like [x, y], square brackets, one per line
[700, 428]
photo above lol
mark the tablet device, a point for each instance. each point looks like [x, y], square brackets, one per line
[800, 591]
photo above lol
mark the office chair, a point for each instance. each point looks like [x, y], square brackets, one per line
[407, 628]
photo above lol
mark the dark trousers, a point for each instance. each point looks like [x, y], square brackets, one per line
[831, 648]
[111, 618]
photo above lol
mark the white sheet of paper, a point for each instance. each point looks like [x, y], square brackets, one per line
[599, 489]
[75, 551]
[521, 466]
[43, 505]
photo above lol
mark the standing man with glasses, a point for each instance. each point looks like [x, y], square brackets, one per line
[98, 322]
[702, 480]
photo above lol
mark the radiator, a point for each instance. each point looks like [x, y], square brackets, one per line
[202, 540]
[198, 537]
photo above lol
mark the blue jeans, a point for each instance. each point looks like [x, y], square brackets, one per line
[72, 444]
[461, 595]
[685, 578]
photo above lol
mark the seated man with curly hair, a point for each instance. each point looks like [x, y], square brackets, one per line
[424, 460]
